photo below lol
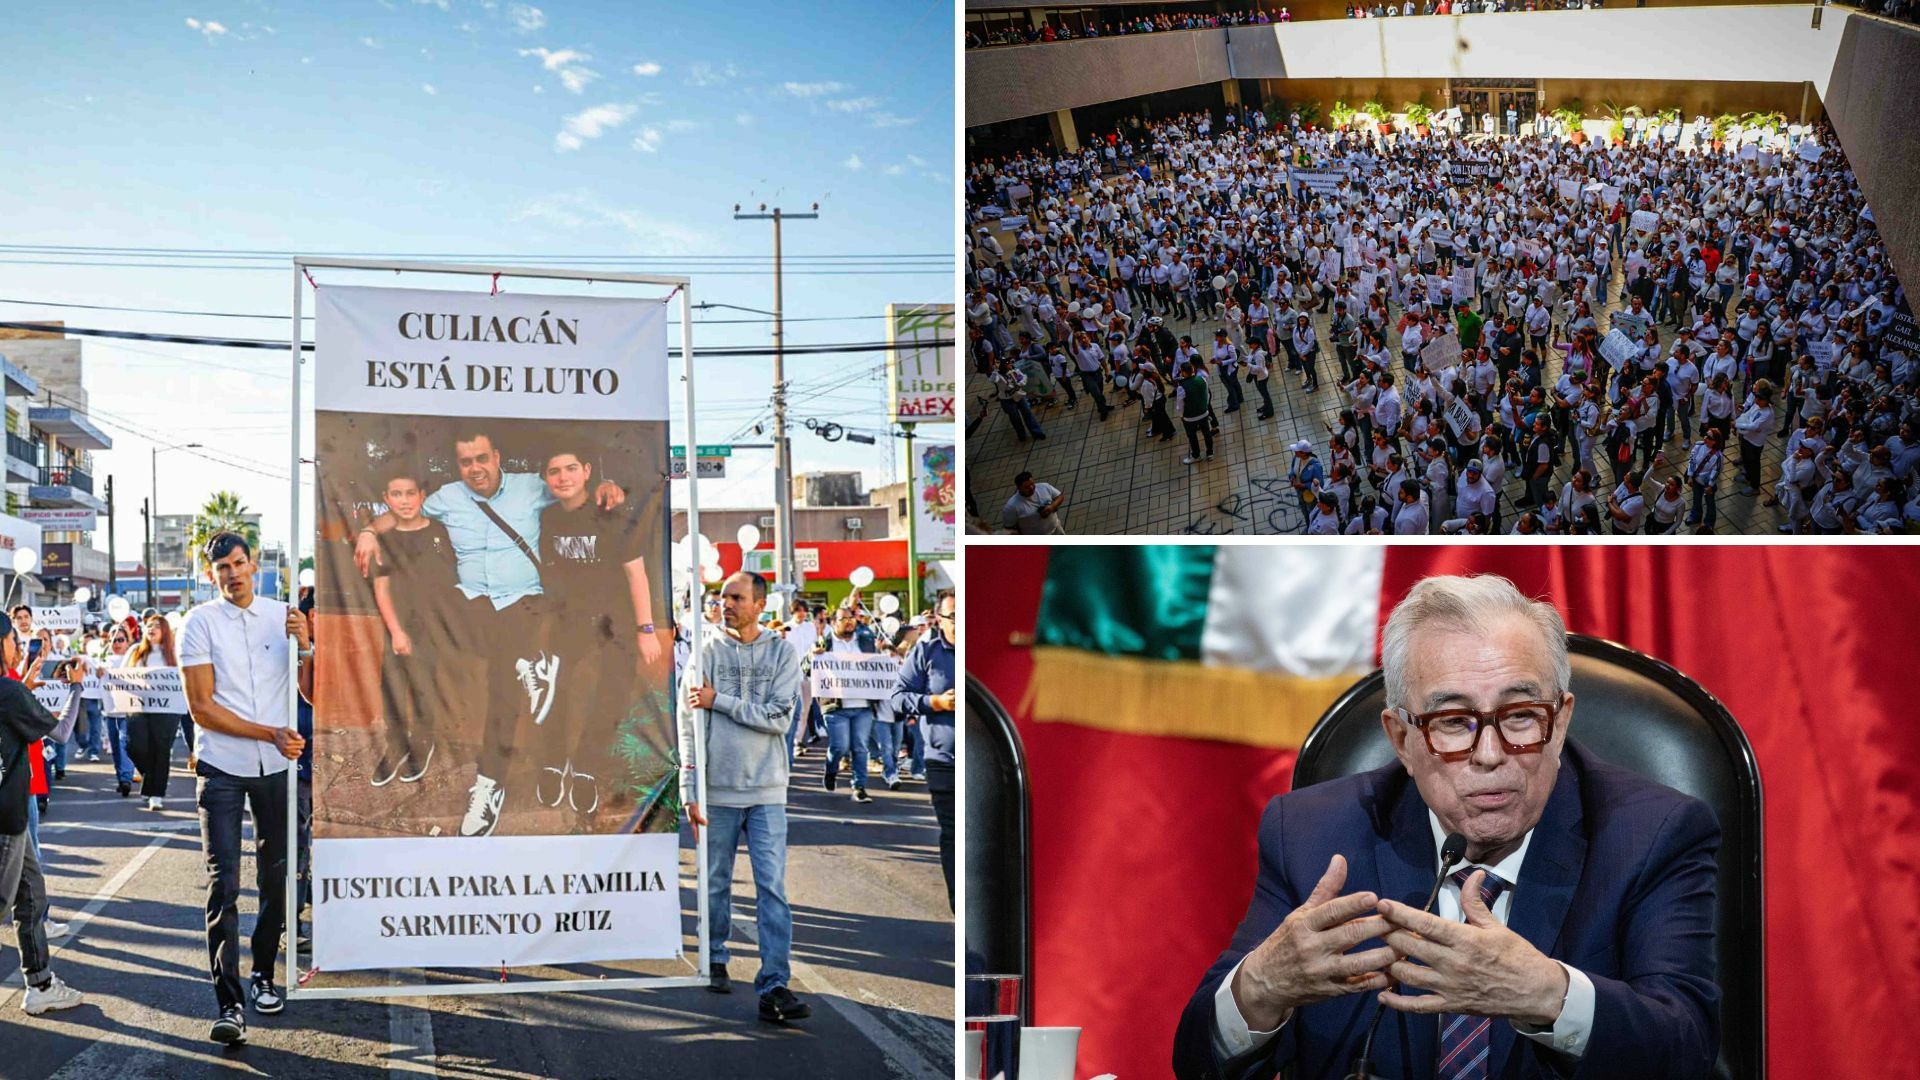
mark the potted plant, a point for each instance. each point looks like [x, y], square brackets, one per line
[1721, 125]
[1341, 115]
[1418, 115]
[1617, 119]
[1377, 113]
[1569, 117]
[1309, 113]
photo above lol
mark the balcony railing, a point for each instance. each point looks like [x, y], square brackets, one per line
[66, 476]
[21, 447]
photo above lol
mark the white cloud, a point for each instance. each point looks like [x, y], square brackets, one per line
[527, 18]
[428, 89]
[647, 140]
[889, 120]
[555, 59]
[744, 119]
[538, 89]
[591, 124]
[916, 161]
[683, 125]
[854, 163]
[705, 74]
[566, 63]
[894, 170]
[370, 43]
[443, 5]
[578, 210]
[859, 104]
[813, 89]
[208, 29]
[647, 69]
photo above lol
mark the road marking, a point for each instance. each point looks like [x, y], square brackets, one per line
[410, 1030]
[903, 1058]
[17, 981]
[153, 828]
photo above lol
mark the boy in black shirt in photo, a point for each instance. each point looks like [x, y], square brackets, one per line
[594, 574]
[415, 589]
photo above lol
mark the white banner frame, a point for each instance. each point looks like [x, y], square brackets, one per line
[295, 989]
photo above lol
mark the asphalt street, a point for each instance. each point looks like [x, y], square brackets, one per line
[873, 954]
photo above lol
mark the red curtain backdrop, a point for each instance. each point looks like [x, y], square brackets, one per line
[1144, 847]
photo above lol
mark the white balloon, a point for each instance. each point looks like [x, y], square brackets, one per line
[24, 560]
[1073, 308]
[710, 573]
[708, 553]
[306, 578]
[861, 577]
[749, 536]
[889, 604]
[1219, 282]
[82, 594]
[891, 624]
[118, 608]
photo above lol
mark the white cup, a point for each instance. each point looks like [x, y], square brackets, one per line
[973, 1054]
[1048, 1053]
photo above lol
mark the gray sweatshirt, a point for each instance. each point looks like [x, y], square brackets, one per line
[755, 688]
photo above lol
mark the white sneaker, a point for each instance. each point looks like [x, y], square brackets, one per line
[56, 928]
[483, 808]
[153, 802]
[93, 757]
[538, 676]
[54, 995]
[1188, 460]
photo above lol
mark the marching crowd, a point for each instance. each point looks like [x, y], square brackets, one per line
[1528, 335]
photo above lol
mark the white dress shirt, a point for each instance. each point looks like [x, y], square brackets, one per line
[248, 650]
[1568, 1035]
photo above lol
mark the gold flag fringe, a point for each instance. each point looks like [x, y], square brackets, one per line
[1179, 698]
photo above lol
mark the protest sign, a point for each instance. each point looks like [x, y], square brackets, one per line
[1645, 221]
[1569, 189]
[60, 620]
[534, 659]
[1903, 334]
[854, 676]
[1809, 150]
[1635, 326]
[1460, 418]
[1617, 347]
[1462, 284]
[1321, 181]
[143, 689]
[1822, 352]
[1440, 353]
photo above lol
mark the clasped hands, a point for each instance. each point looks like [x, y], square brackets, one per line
[1477, 967]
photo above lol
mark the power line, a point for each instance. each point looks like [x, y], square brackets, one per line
[289, 254]
[309, 318]
[8, 260]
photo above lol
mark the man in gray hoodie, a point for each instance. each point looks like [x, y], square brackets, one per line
[743, 701]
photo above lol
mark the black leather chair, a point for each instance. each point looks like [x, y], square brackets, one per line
[1641, 714]
[999, 855]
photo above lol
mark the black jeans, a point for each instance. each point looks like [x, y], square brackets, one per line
[503, 638]
[150, 745]
[224, 798]
[1196, 429]
[407, 692]
[599, 675]
[940, 785]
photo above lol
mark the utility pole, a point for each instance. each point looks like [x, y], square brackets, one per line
[113, 573]
[783, 449]
[146, 527]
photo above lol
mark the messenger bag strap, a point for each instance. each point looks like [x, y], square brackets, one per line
[493, 516]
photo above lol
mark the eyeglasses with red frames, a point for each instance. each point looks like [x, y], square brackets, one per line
[1524, 727]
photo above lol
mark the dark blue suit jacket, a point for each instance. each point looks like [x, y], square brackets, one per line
[1618, 882]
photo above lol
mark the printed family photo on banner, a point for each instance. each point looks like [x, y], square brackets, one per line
[492, 581]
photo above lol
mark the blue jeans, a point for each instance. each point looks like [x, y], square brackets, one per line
[117, 738]
[848, 729]
[89, 719]
[766, 829]
[916, 748]
[887, 734]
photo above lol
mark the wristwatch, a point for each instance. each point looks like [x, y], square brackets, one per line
[646, 628]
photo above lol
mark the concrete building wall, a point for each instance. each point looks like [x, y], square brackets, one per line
[1769, 43]
[1870, 97]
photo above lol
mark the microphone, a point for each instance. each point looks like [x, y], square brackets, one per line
[1451, 852]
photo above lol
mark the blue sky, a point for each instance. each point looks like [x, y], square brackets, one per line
[467, 127]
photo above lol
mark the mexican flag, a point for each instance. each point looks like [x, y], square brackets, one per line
[1162, 693]
[1244, 644]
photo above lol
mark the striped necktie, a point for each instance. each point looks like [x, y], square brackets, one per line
[1467, 1041]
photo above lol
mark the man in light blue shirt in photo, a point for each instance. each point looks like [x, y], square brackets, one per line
[493, 520]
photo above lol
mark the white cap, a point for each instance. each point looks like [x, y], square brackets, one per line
[1302, 447]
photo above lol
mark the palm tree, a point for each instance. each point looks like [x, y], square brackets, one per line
[222, 513]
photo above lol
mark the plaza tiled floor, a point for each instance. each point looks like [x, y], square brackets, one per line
[1118, 481]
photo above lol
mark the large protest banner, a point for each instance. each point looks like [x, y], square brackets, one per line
[495, 775]
[60, 620]
[1318, 181]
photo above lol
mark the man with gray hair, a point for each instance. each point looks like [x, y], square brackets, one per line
[1576, 935]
